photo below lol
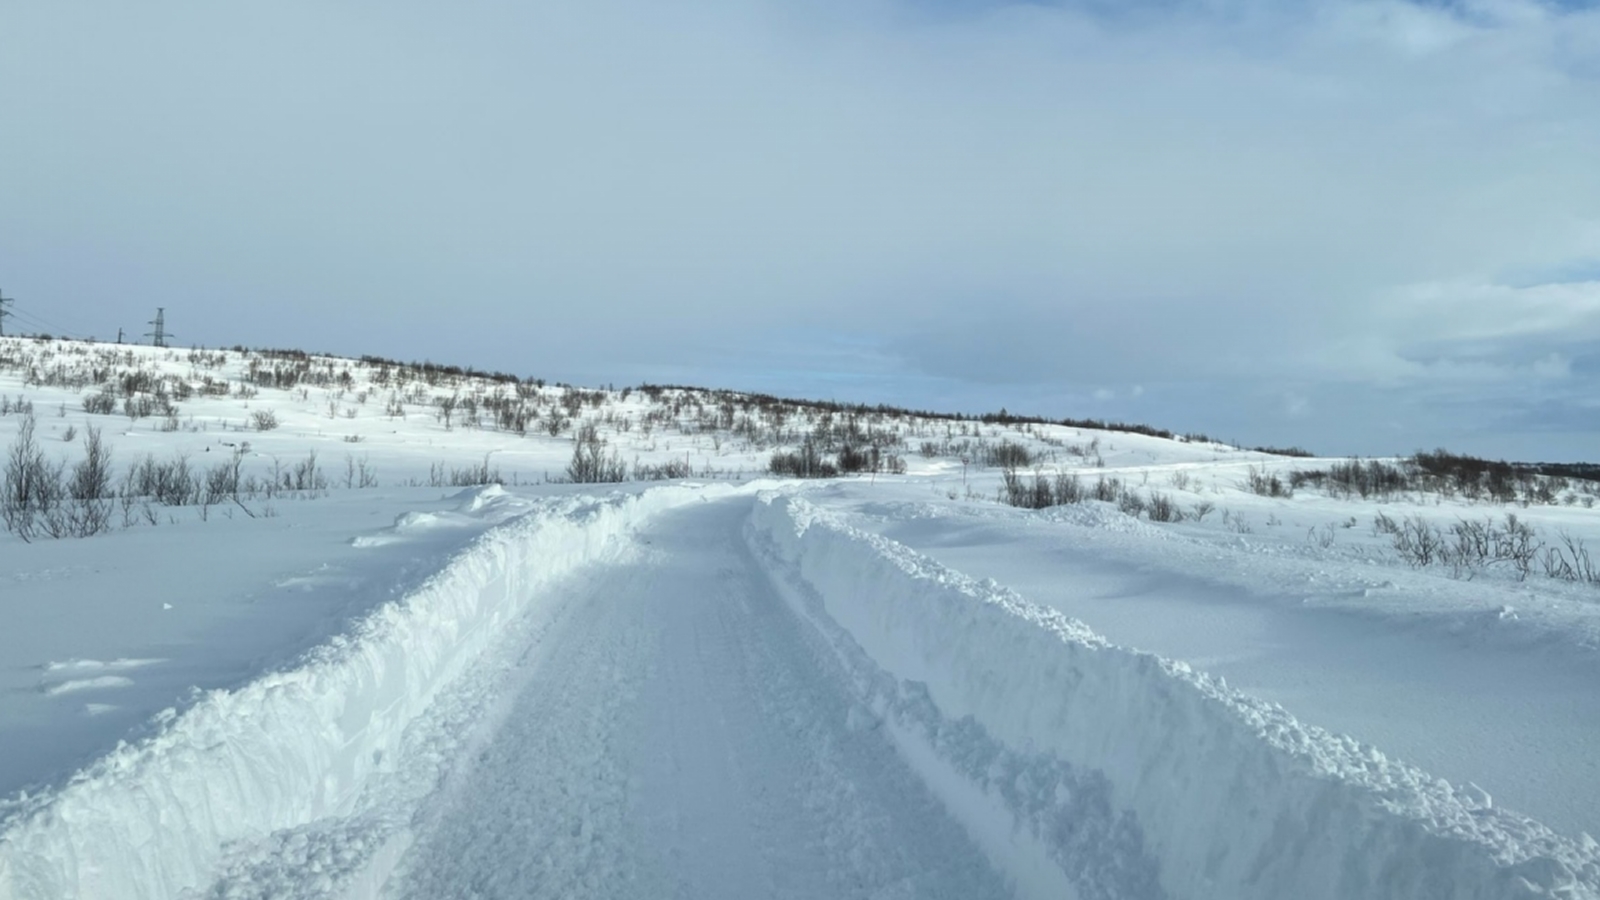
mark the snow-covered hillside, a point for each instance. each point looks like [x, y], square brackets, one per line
[349, 629]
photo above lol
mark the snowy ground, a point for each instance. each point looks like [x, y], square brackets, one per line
[729, 688]
[1486, 682]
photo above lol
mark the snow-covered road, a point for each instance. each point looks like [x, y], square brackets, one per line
[680, 735]
[720, 691]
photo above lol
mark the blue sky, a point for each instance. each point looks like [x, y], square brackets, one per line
[1363, 227]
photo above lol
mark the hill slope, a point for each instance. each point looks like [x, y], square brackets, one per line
[369, 672]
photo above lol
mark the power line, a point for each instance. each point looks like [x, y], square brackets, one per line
[28, 318]
[31, 319]
[49, 325]
[42, 325]
[160, 335]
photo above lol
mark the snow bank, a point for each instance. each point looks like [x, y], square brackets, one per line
[1136, 776]
[152, 818]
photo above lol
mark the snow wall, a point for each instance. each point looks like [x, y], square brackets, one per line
[1118, 774]
[152, 818]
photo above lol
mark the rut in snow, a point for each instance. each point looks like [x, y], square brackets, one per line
[685, 736]
[703, 692]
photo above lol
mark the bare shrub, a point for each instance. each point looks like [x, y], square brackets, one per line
[1267, 484]
[1131, 503]
[1373, 479]
[806, 462]
[590, 463]
[1162, 508]
[102, 403]
[170, 483]
[672, 468]
[1069, 489]
[91, 475]
[1106, 489]
[1018, 491]
[1570, 561]
[1008, 455]
[31, 487]
[1418, 543]
[854, 459]
[305, 475]
[263, 420]
[1040, 491]
[466, 476]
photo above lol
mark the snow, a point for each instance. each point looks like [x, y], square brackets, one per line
[1168, 780]
[676, 741]
[294, 746]
[1440, 678]
[886, 686]
[190, 606]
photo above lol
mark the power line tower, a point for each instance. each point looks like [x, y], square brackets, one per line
[160, 335]
[4, 314]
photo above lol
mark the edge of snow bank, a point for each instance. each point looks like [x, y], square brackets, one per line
[153, 817]
[1139, 776]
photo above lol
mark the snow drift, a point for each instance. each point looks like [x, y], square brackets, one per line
[152, 818]
[1127, 774]
[1080, 768]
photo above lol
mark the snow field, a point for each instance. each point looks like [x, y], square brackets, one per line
[1484, 680]
[152, 818]
[1078, 767]
[1138, 776]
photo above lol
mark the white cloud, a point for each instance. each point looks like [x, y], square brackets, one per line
[1475, 311]
[999, 194]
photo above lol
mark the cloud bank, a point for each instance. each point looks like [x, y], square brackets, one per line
[1365, 226]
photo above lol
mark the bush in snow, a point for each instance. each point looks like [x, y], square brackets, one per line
[1008, 455]
[807, 462]
[1259, 481]
[101, 403]
[673, 468]
[590, 464]
[31, 486]
[1162, 508]
[1041, 492]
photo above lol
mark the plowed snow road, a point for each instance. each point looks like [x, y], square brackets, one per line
[715, 691]
[681, 734]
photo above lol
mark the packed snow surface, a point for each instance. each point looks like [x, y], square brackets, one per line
[884, 687]
[711, 691]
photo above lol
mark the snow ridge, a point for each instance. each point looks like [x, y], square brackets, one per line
[154, 817]
[1137, 776]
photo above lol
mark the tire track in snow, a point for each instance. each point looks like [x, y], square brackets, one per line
[685, 736]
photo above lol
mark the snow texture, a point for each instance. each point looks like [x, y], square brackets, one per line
[1142, 777]
[295, 746]
[665, 705]
[683, 735]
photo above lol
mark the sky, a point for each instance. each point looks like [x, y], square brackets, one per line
[1357, 226]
